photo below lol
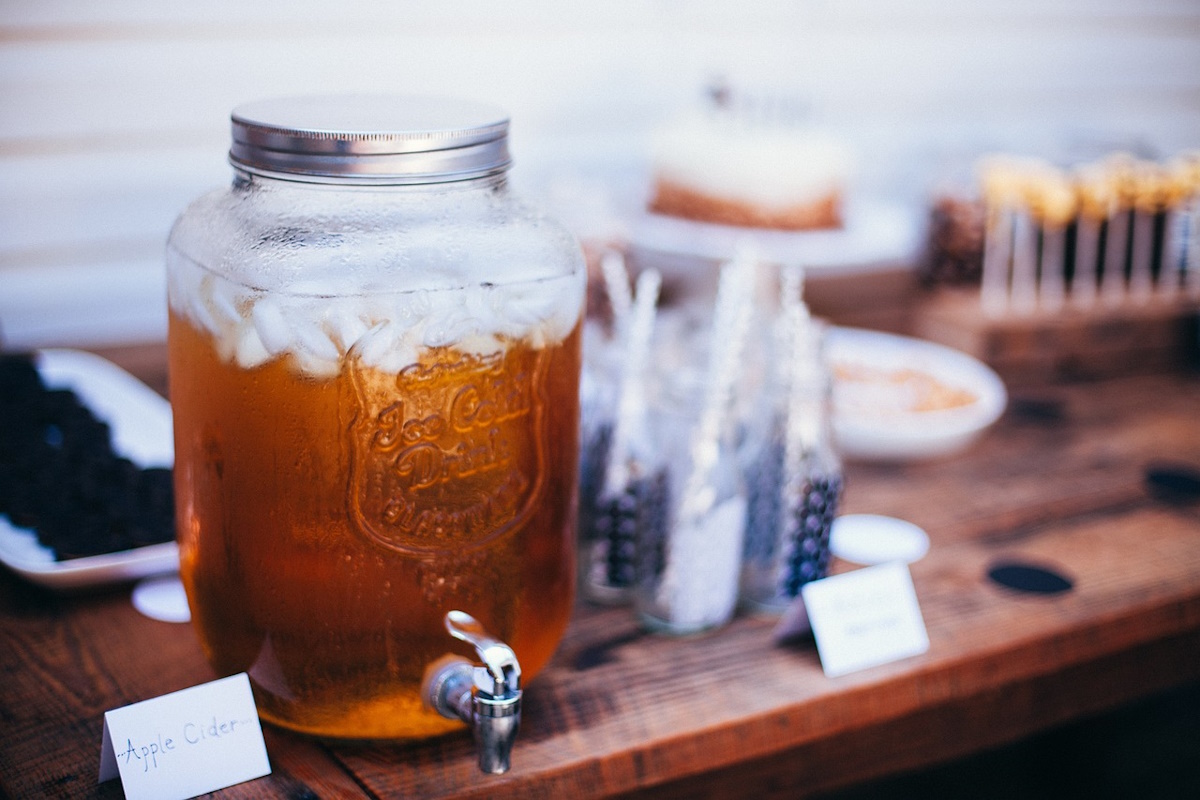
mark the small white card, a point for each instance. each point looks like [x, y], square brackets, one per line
[186, 743]
[865, 618]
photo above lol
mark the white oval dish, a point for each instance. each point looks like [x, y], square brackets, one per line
[896, 398]
[871, 539]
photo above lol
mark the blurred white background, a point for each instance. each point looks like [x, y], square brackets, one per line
[114, 115]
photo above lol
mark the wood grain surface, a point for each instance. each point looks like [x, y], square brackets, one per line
[1059, 481]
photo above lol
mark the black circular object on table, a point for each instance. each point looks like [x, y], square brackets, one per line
[1030, 578]
[1173, 483]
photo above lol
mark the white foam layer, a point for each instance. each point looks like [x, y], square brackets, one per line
[387, 331]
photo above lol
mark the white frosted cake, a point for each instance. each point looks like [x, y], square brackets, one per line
[723, 169]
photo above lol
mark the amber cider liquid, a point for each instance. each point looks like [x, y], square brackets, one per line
[327, 524]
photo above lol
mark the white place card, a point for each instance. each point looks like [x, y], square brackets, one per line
[186, 743]
[865, 618]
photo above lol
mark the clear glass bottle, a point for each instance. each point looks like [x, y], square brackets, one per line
[794, 480]
[690, 548]
[374, 368]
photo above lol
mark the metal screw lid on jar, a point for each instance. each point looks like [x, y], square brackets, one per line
[371, 139]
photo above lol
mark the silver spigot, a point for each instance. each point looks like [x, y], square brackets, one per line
[488, 698]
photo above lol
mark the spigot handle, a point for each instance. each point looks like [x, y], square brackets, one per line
[501, 675]
[487, 698]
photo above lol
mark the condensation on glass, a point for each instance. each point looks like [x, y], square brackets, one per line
[374, 369]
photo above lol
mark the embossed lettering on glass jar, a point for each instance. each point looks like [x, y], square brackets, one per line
[374, 367]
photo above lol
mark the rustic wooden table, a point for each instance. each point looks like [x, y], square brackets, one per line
[1059, 481]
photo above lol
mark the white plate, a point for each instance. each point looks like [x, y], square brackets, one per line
[141, 425]
[896, 398]
[874, 234]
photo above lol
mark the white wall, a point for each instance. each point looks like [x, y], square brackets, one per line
[113, 115]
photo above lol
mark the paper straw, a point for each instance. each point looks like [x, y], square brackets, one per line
[1087, 250]
[1112, 284]
[1050, 281]
[616, 284]
[803, 371]
[1191, 266]
[631, 405]
[792, 319]
[1141, 278]
[731, 323]
[997, 251]
[1023, 294]
[1173, 255]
